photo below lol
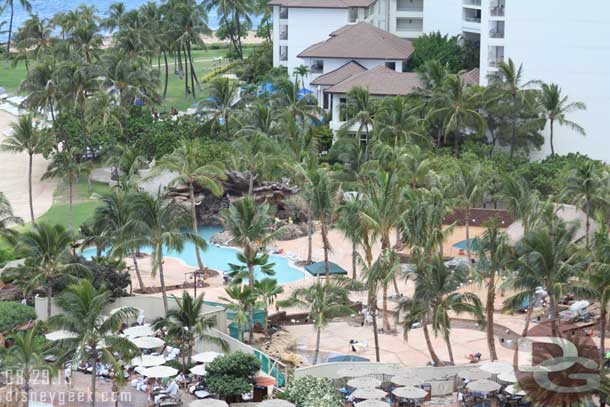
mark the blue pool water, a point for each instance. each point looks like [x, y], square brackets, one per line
[474, 243]
[218, 258]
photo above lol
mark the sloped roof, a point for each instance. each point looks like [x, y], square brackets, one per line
[380, 81]
[318, 269]
[339, 75]
[360, 41]
[321, 3]
[472, 77]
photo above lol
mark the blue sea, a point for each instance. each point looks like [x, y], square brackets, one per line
[48, 8]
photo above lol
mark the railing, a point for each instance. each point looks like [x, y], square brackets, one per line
[496, 34]
[494, 62]
[472, 19]
[417, 6]
[472, 3]
[497, 9]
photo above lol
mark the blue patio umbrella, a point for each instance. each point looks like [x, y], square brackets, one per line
[303, 92]
[138, 102]
[265, 88]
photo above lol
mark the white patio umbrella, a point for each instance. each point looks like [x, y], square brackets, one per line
[276, 403]
[483, 386]
[514, 391]
[474, 374]
[364, 382]
[198, 370]
[117, 309]
[206, 357]
[148, 360]
[507, 377]
[496, 367]
[368, 394]
[407, 381]
[160, 372]
[61, 335]
[372, 403]
[355, 372]
[147, 342]
[38, 404]
[139, 331]
[208, 403]
[409, 392]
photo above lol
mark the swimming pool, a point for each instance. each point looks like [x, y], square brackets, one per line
[474, 244]
[218, 258]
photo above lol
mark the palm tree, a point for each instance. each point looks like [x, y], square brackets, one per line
[222, 94]
[46, 249]
[188, 163]
[25, 4]
[25, 137]
[96, 338]
[240, 300]
[162, 221]
[323, 301]
[494, 255]
[361, 110]
[114, 13]
[351, 224]
[301, 72]
[186, 325]
[267, 291]
[556, 107]
[8, 220]
[250, 226]
[28, 355]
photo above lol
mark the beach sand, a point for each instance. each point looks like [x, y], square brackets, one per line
[14, 178]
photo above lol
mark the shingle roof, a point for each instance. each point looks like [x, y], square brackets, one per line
[339, 75]
[321, 3]
[360, 41]
[380, 81]
[472, 77]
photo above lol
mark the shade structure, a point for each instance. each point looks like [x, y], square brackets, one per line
[364, 382]
[147, 342]
[117, 309]
[276, 403]
[208, 403]
[372, 403]
[354, 372]
[206, 357]
[409, 392]
[483, 386]
[61, 335]
[139, 331]
[368, 394]
[507, 377]
[496, 367]
[198, 370]
[513, 391]
[473, 374]
[160, 372]
[148, 360]
[407, 381]
[347, 358]
[318, 269]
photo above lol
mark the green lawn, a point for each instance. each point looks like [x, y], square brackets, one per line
[11, 77]
[59, 214]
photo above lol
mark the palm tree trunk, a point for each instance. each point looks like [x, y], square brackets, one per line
[195, 226]
[137, 269]
[316, 354]
[602, 335]
[554, 315]
[186, 76]
[431, 351]
[10, 32]
[467, 227]
[30, 189]
[551, 140]
[373, 312]
[71, 209]
[190, 61]
[528, 318]
[166, 75]
[513, 138]
[26, 390]
[324, 230]
[489, 307]
[93, 378]
[251, 183]
[386, 320]
[162, 280]
[587, 226]
[266, 327]
[354, 257]
[49, 299]
[309, 236]
[449, 349]
[251, 306]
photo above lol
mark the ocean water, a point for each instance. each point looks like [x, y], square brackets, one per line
[48, 8]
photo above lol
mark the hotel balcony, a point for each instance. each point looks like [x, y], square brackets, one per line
[496, 29]
[411, 6]
[472, 4]
[496, 8]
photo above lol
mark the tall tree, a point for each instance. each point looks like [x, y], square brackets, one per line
[267, 291]
[25, 4]
[8, 220]
[223, 93]
[239, 300]
[360, 110]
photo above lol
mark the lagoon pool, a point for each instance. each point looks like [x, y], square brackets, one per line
[218, 258]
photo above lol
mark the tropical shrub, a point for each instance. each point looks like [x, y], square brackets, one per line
[13, 314]
[436, 46]
[232, 374]
[257, 65]
[311, 391]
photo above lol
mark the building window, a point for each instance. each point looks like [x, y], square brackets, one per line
[343, 109]
[326, 100]
[317, 66]
[283, 12]
[283, 53]
[353, 14]
[283, 32]
[391, 65]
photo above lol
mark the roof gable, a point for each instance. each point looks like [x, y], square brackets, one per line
[339, 75]
[380, 81]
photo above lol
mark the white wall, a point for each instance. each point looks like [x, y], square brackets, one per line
[567, 43]
[443, 15]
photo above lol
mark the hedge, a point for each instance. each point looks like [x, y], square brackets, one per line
[13, 314]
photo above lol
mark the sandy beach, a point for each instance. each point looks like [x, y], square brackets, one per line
[14, 179]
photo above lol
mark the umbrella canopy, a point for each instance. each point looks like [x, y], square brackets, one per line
[368, 394]
[139, 331]
[496, 367]
[354, 371]
[409, 392]
[372, 403]
[514, 391]
[364, 382]
[208, 403]
[117, 309]
[206, 357]
[148, 360]
[198, 370]
[407, 381]
[507, 377]
[483, 386]
[160, 372]
[61, 335]
[346, 358]
[276, 403]
[38, 404]
[317, 269]
[474, 374]
[147, 342]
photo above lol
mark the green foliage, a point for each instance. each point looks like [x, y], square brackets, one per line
[311, 391]
[106, 275]
[442, 48]
[257, 65]
[219, 71]
[13, 314]
[232, 374]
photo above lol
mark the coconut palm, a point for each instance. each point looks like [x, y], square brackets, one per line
[25, 137]
[300, 73]
[25, 4]
[267, 291]
[351, 224]
[360, 110]
[324, 301]
[239, 300]
[163, 222]
[188, 163]
[40, 85]
[223, 93]
[28, 355]
[186, 325]
[97, 340]
[556, 106]
[8, 220]
[46, 249]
